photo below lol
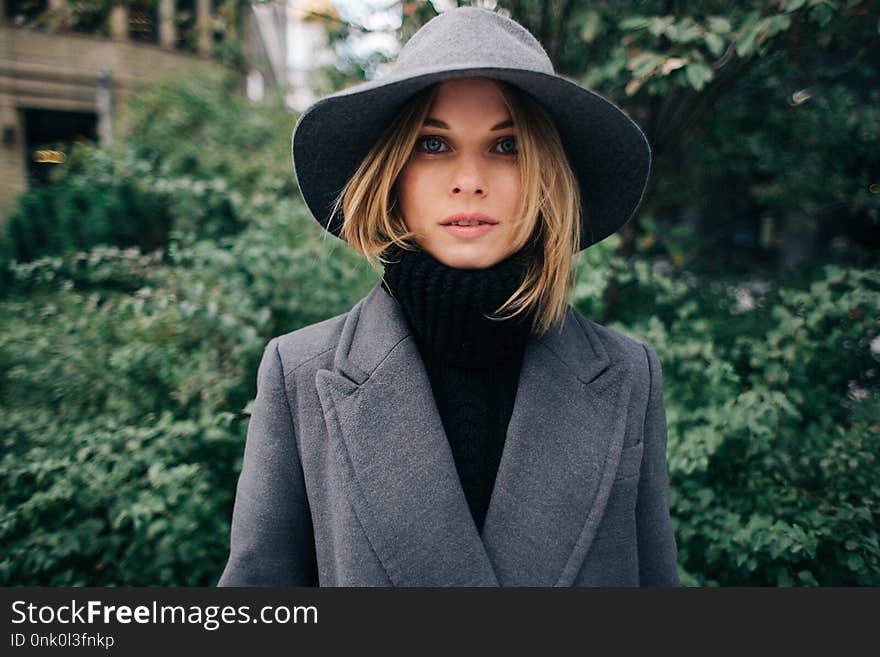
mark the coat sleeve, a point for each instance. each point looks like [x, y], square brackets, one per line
[271, 540]
[658, 554]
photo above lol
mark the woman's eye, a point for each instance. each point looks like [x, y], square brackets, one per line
[434, 144]
[431, 144]
[508, 145]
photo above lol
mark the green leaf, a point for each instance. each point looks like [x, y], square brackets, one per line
[719, 24]
[855, 562]
[807, 578]
[634, 23]
[591, 26]
[746, 46]
[659, 24]
[748, 33]
[684, 32]
[715, 43]
[821, 14]
[645, 63]
[698, 74]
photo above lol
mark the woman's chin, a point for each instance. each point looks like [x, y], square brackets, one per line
[467, 256]
[458, 260]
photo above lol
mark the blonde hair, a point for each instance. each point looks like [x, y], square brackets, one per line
[549, 230]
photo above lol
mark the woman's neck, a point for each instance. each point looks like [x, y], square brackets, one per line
[445, 308]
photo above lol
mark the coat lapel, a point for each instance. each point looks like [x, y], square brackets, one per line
[403, 483]
[560, 456]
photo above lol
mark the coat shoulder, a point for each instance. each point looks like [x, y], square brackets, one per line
[308, 343]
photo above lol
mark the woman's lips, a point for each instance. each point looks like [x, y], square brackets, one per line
[468, 232]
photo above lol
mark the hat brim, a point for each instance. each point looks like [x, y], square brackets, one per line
[607, 150]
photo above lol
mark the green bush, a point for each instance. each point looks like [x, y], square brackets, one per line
[103, 504]
[124, 391]
[76, 214]
[773, 414]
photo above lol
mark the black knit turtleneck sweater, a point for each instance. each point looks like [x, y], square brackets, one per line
[473, 363]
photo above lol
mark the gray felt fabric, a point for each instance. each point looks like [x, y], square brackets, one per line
[607, 150]
[348, 479]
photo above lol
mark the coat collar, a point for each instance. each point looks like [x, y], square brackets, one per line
[559, 460]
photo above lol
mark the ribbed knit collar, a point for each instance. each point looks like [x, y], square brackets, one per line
[445, 309]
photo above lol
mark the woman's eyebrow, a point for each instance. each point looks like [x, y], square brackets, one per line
[437, 123]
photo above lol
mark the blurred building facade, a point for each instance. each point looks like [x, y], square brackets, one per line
[66, 69]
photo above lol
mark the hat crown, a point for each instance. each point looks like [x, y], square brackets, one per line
[472, 37]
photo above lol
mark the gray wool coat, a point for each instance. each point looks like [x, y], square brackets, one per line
[348, 478]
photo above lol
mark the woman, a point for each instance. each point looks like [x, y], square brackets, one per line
[462, 425]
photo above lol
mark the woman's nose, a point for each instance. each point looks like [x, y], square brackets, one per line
[468, 177]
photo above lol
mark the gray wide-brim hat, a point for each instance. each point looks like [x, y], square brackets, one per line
[607, 150]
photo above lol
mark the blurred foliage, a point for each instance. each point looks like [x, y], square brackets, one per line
[126, 374]
[773, 409]
[79, 213]
[152, 181]
[136, 300]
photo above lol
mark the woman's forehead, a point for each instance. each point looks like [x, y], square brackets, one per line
[469, 100]
[471, 87]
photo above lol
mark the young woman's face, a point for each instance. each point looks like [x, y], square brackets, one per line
[464, 163]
